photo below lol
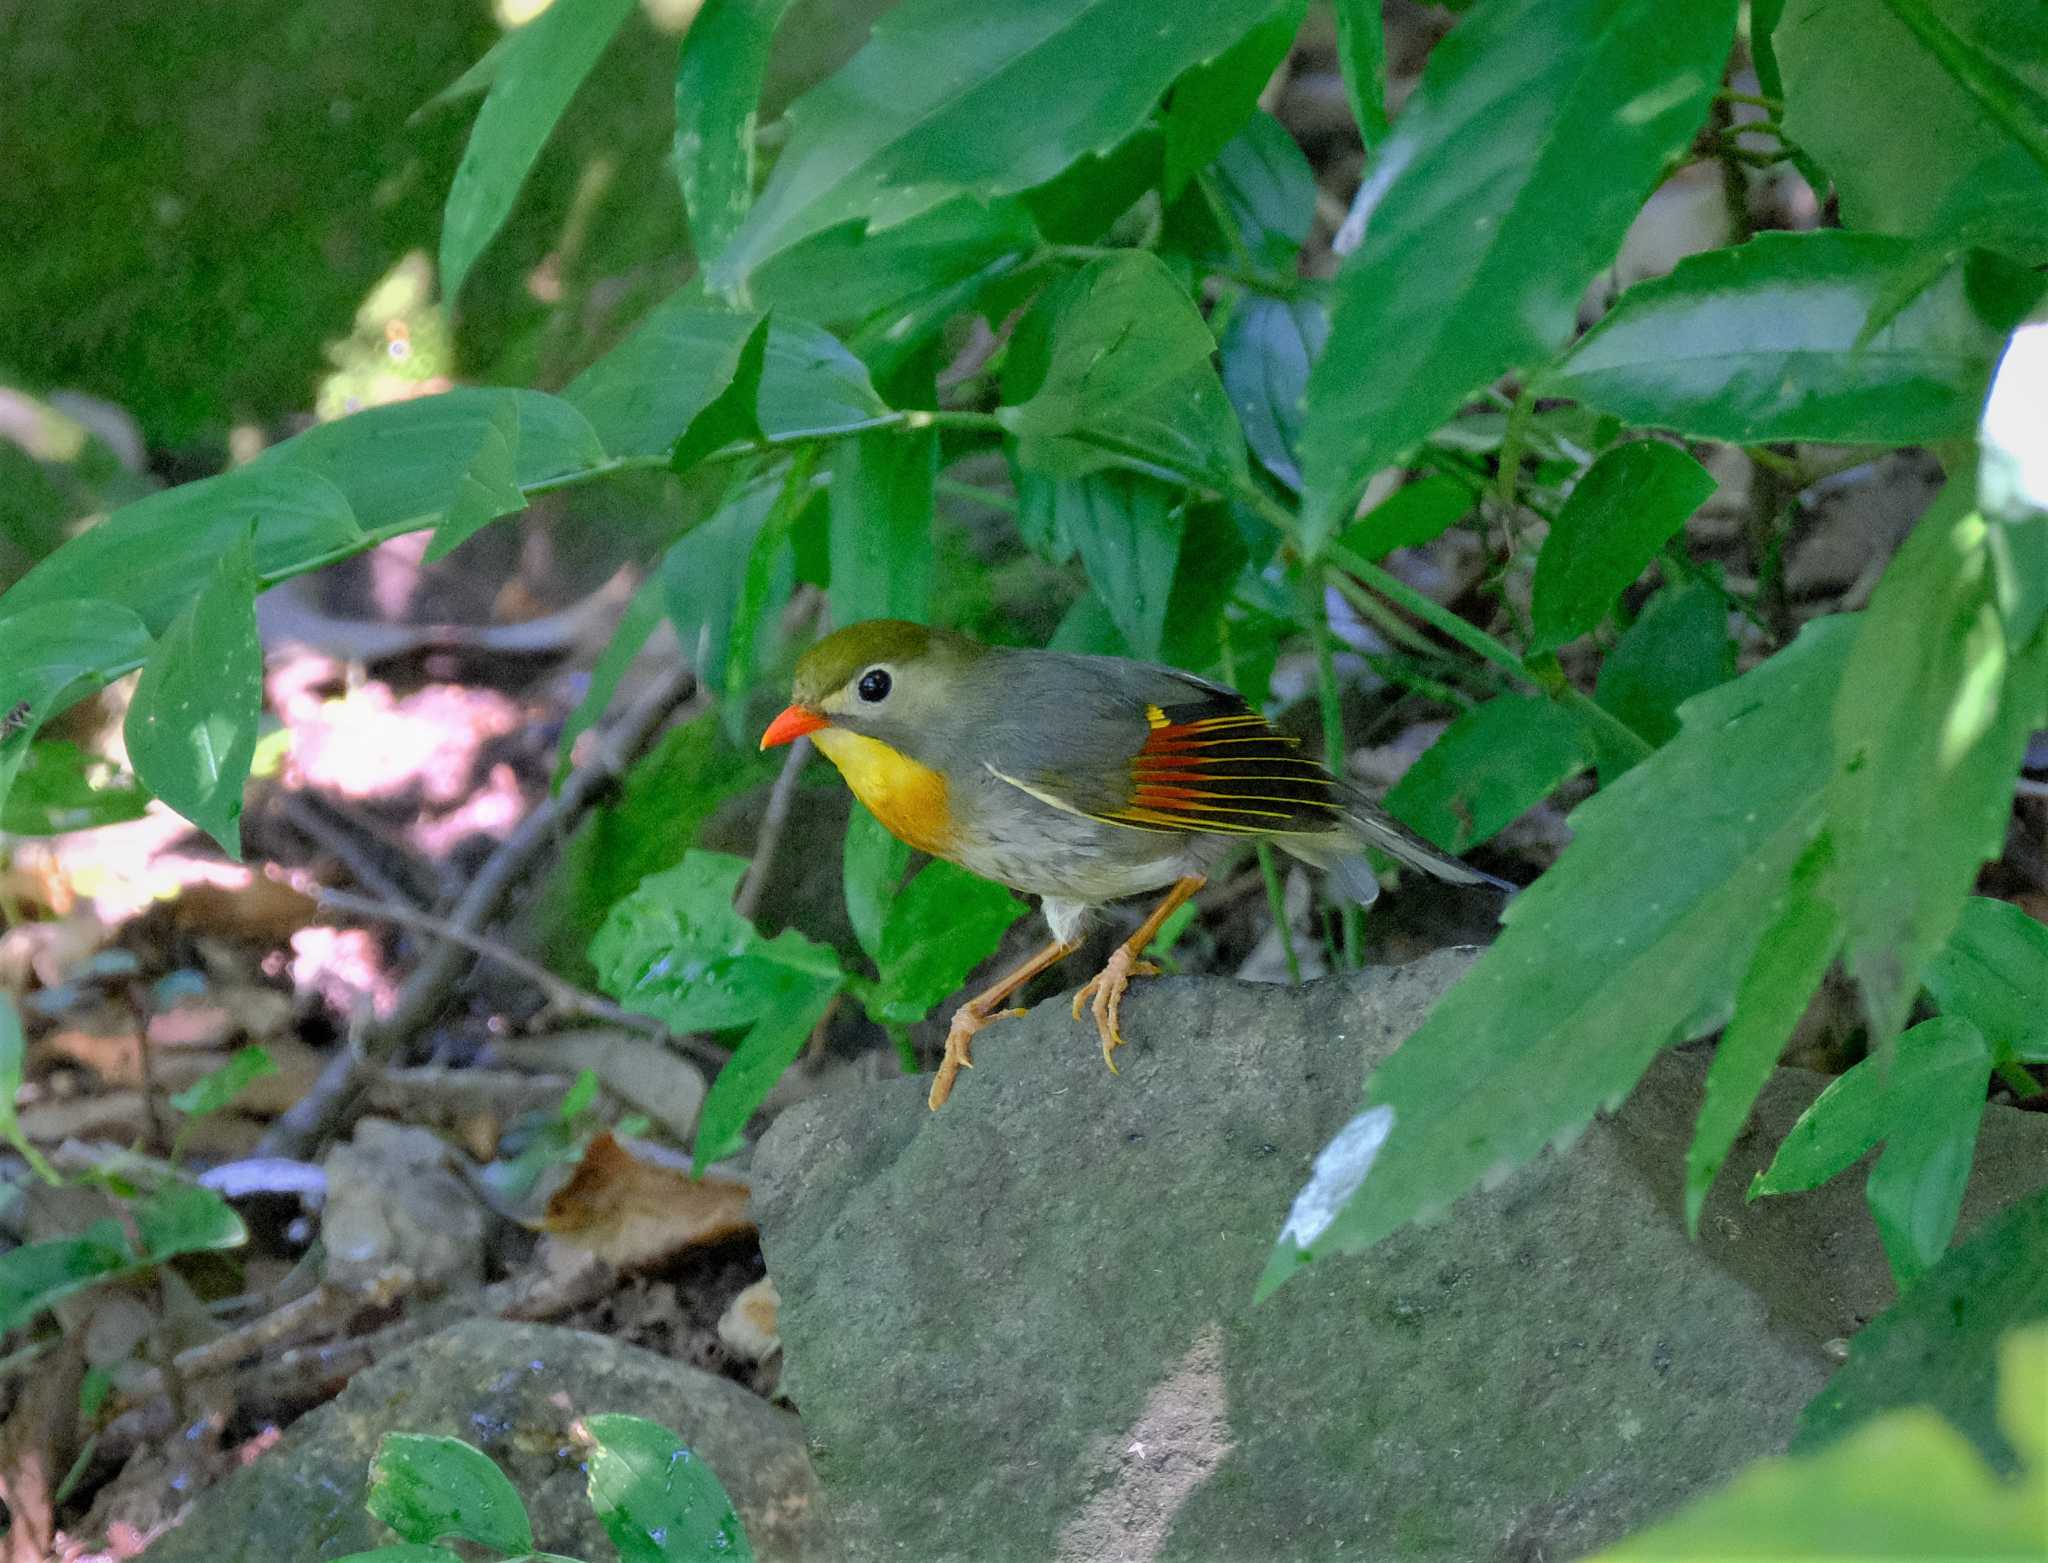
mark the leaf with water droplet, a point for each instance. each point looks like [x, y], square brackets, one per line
[656, 1500]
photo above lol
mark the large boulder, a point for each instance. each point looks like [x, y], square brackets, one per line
[513, 1390]
[1022, 1327]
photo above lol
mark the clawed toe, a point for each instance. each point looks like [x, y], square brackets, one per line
[960, 1049]
[1104, 996]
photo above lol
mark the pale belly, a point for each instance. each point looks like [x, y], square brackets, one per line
[1047, 852]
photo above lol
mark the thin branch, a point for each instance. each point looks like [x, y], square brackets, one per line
[780, 797]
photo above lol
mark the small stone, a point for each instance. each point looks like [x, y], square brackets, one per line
[749, 1326]
[394, 1202]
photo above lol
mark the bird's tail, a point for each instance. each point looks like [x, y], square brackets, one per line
[1372, 826]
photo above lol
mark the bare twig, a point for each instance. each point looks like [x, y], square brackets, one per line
[296, 1132]
[772, 822]
[315, 822]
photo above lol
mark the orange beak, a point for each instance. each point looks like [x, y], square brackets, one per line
[792, 724]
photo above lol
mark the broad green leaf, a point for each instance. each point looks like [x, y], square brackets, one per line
[486, 488]
[2004, 95]
[542, 66]
[944, 924]
[1629, 503]
[1925, 1104]
[1083, 203]
[769, 1047]
[1490, 767]
[675, 949]
[1994, 973]
[13, 1049]
[664, 800]
[1848, 65]
[154, 555]
[646, 393]
[946, 100]
[1268, 347]
[1268, 193]
[1125, 361]
[718, 94]
[1790, 961]
[1414, 514]
[55, 791]
[1213, 557]
[36, 1275]
[1929, 727]
[881, 519]
[1678, 647]
[1212, 101]
[1041, 520]
[58, 653]
[191, 726]
[402, 1552]
[704, 573]
[1127, 529]
[218, 1088]
[873, 862]
[765, 585]
[1763, 342]
[183, 1218]
[811, 384]
[1906, 1485]
[1362, 60]
[657, 1501]
[428, 1488]
[412, 461]
[636, 624]
[733, 416]
[1538, 130]
[1527, 1048]
[1937, 1346]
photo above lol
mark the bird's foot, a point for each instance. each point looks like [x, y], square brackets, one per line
[967, 1020]
[1104, 995]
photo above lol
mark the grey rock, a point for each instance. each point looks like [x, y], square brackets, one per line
[1021, 1327]
[513, 1390]
[395, 1202]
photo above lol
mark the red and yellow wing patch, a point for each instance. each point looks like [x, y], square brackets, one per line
[1229, 772]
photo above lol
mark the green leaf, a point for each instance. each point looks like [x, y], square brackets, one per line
[412, 461]
[1125, 360]
[1790, 961]
[648, 392]
[2005, 96]
[1929, 727]
[1268, 192]
[1268, 347]
[1763, 342]
[1362, 59]
[1083, 203]
[35, 1275]
[191, 727]
[544, 63]
[402, 1552]
[656, 1500]
[1848, 66]
[1633, 499]
[1904, 1486]
[946, 923]
[718, 93]
[881, 520]
[1677, 648]
[873, 865]
[1993, 972]
[1938, 1345]
[1127, 529]
[1414, 514]
[1926, 1104]
[183, 1218]
[218, 1088]
[765, 585]
[1212, 101]
[55, 791]
[636, 624]
[153, 556]
[944, 100]
[487, 486]
[1539, 128]
[675, 949]
[1527, 1048]
[1490, 767]
[769, 1047]
[58, 653]
[811, 385]
[704, 573]
[13, 1049]
[427, 1487]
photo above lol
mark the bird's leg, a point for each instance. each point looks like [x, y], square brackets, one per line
[1107, 986]
[981, 1009]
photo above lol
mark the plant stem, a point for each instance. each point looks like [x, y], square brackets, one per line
[1335, 752]
[1276, 895]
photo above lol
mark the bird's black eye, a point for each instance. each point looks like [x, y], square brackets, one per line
[874, 685]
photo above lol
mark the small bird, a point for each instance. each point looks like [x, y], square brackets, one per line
[1076, 779]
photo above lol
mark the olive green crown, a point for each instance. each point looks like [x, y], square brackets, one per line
[844, 653]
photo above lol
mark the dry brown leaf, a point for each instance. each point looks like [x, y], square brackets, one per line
[751, 1327]
[634, 1213]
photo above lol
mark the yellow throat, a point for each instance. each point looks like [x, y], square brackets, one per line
[908, 798]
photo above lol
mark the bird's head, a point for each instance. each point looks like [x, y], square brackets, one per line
[883, 679]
